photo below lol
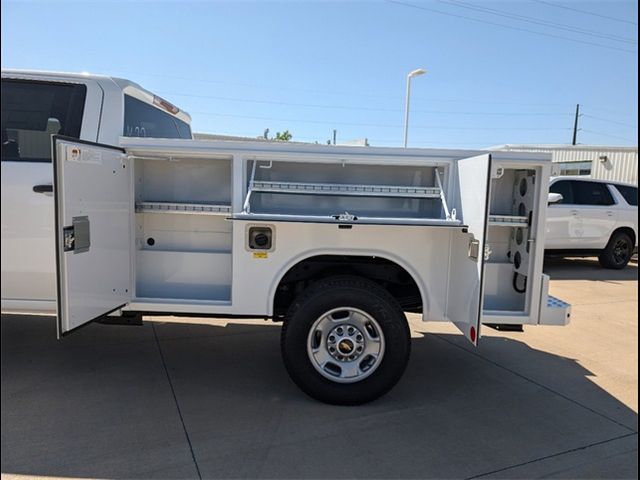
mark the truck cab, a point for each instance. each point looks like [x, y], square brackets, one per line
[35, 106]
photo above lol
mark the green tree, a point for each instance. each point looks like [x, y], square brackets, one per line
[283, 136]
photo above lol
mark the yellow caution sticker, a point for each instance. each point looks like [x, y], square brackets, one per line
[260, 255]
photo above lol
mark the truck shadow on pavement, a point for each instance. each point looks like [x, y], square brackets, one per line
[179, 400]
[574, 268]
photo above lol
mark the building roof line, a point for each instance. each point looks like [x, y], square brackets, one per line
[510, 146]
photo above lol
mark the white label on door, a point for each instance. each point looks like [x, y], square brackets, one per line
[83, 155]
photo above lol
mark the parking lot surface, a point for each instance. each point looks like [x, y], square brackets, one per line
[189, 398]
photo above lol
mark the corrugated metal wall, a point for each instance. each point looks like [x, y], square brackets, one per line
[619, 167]
[621, 164]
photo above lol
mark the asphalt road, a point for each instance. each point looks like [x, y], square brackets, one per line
[211, 399]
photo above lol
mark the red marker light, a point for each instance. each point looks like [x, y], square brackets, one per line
[472, 334]
[162, 103]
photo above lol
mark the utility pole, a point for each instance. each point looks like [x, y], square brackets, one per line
[334, 135]
[575, 125]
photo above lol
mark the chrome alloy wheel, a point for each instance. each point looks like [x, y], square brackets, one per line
[345, 345]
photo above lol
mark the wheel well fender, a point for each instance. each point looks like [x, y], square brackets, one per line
[326, 254]
[629, 231]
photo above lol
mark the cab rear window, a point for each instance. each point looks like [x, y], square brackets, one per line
[144, 120]
[32, 111]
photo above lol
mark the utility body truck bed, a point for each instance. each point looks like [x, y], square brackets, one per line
[335, 241]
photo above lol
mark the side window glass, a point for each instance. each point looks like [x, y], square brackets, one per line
[592, 193]
[630, 194]
[563, 187]
[32, 111]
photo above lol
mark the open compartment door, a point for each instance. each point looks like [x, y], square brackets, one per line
[466, 272]
[92, 189]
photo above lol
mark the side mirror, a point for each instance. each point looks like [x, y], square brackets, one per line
[555, 198]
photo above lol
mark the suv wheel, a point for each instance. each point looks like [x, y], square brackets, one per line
[618, 251]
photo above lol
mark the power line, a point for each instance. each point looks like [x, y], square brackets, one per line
[585, 12]
[537, 21]
[261, 85]
[321, 139]
[377, 125]
[610, 121]
[520, 29]
[611, 111]
[380, 96]
[277, 102]
[348, 107]
[280, 88]
[608, 135]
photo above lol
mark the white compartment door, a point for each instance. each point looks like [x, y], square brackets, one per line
[92, 190]
[466, 282]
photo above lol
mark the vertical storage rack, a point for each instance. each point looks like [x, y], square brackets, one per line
[509, 241]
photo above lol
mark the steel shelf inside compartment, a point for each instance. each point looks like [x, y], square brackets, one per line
[362, 190]
[184, 208]
[508, 221]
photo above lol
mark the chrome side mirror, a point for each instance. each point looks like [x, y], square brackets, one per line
[555, 198]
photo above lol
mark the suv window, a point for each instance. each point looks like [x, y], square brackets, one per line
[630, 194]
[32, 111]
[563, 187]
[144, 120]
[591, 193]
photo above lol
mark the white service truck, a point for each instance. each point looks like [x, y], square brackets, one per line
[336, 242]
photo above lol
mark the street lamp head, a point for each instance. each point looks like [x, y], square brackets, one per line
[417, 72]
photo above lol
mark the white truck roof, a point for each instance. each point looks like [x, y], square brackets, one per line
[127, 86]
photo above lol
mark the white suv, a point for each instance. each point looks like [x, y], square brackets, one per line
[592, 217]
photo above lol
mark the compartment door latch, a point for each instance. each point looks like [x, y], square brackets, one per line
[474, 249]
[77, 238]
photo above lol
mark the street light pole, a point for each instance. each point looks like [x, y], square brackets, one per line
[415, 73]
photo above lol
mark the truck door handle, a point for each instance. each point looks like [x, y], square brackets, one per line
[574, 213]
[610, 213]
[43, 188]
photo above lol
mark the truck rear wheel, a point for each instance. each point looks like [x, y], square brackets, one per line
[345, 341]
[618, 251]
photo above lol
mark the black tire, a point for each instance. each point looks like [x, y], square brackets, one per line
[333, 293]
[618, 251]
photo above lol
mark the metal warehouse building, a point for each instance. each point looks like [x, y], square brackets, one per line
[618, 164]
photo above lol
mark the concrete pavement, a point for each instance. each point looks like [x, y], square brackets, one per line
[199, 397]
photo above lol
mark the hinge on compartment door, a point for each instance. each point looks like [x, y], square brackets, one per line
[77, 238]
